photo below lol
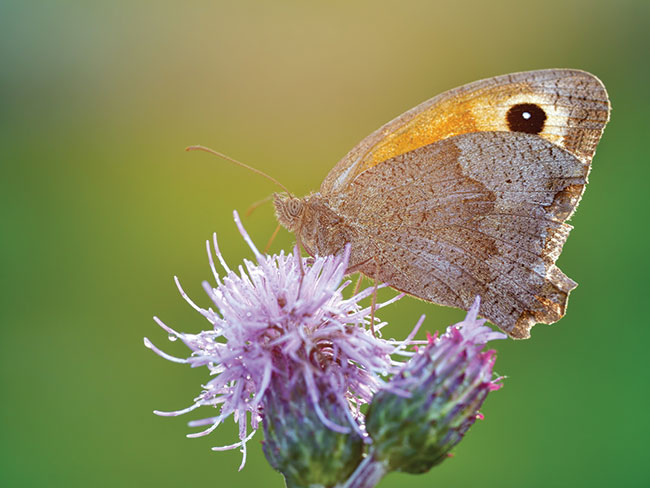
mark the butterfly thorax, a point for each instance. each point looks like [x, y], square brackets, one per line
[320, 230]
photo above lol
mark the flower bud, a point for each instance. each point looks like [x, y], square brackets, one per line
[297, 442]
[429, 405]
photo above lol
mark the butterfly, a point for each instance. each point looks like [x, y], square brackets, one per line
[466, 194]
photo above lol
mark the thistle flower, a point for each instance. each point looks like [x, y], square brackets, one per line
[282, 322]
[429, 406]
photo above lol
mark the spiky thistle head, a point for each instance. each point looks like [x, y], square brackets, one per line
[281, 321]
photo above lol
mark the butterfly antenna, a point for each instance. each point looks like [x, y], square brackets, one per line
[256, 204]
[238, 163]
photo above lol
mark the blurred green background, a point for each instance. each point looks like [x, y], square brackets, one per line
[101, 207]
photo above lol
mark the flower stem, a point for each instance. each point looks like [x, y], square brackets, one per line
[367, 475]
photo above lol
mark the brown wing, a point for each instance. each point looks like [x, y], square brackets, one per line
[566, 107]
[476, 214]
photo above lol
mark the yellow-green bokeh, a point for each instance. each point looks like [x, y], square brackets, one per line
[101, 207]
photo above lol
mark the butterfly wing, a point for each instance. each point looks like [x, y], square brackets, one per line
[476, 214]
[566, 107]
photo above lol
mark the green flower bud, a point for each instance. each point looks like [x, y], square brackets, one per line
[427, 408]
[299, 444]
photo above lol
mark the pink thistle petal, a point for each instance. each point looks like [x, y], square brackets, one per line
[494, 386]
[162, 354]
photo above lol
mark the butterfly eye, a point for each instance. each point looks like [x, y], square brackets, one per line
[526, 117]
[294, 207]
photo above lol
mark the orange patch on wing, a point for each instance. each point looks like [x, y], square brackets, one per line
[428, 127]
[448, 118]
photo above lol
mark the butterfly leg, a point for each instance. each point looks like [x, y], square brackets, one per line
[256, 204]
[302, 269]
[373, 303]
[272, 238]
[357, 285]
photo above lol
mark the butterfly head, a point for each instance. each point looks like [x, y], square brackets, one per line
[288, 210]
